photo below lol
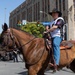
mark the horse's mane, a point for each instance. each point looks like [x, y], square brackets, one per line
[24, 32]
[27, 33]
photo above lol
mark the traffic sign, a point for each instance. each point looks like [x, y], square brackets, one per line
[24, 22]
[46, 23]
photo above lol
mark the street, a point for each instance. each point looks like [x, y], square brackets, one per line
[10, 68]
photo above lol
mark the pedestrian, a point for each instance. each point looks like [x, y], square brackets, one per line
[11, 55]
[15, 56]
[56, 31]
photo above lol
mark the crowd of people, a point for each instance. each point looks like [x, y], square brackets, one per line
[9, 56]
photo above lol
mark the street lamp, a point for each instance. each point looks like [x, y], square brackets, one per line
[48, 16]
[44, 12]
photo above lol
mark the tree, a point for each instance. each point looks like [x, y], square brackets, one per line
[34, 29]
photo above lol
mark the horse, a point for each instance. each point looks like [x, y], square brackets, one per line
[34, 50]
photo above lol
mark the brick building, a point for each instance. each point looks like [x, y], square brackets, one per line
[30, 10]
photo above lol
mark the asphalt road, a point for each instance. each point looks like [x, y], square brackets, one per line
[10, 68]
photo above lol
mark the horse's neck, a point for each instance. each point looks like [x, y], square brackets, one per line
[22, 37]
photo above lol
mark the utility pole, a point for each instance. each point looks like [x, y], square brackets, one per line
[5, 15]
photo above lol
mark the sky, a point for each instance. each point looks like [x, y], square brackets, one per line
[6, 6]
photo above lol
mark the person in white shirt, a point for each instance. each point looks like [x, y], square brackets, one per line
[56, 31]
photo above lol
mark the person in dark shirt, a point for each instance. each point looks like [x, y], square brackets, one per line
[15, 56]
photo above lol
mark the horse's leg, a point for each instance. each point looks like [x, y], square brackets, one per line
[41, 73]
[31, 71]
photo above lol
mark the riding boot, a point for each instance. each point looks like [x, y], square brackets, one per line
[54, 65]
[55, 68]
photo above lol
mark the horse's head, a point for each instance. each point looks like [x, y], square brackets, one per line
[6, 37]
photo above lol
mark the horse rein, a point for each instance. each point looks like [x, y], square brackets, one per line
[27, 43]
[23, 44]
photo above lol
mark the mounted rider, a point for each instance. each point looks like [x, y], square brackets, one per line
[56, 31]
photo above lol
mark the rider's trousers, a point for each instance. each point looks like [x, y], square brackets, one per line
[56, 48]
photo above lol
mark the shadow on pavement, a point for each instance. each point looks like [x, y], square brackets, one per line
[23, 73]
[67, 70]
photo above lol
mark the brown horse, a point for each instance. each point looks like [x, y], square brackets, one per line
[35, 53]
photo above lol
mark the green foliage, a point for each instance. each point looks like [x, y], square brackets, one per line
[34, 29]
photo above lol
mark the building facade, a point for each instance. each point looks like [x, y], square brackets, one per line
[30, 11]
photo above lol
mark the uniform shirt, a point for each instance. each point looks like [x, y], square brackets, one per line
[58, 22]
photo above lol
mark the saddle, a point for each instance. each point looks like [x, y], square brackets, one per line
[64, 45]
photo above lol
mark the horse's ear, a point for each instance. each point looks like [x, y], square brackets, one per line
[4, 27]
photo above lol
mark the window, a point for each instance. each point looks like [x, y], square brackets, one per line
[63, 4]
[27, 14]
[74, 3]
[10, 23]
[14, 22]
[57, 4]
[23, 15]
[48, 5]
[43, 8]
[38, 10]
[30, 14]
[74, 16]
[60, 5]
[34, 12]
[18, 18]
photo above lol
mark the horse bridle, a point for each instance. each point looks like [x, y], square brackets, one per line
[13, 40]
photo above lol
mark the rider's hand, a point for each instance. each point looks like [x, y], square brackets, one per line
[45, 32]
